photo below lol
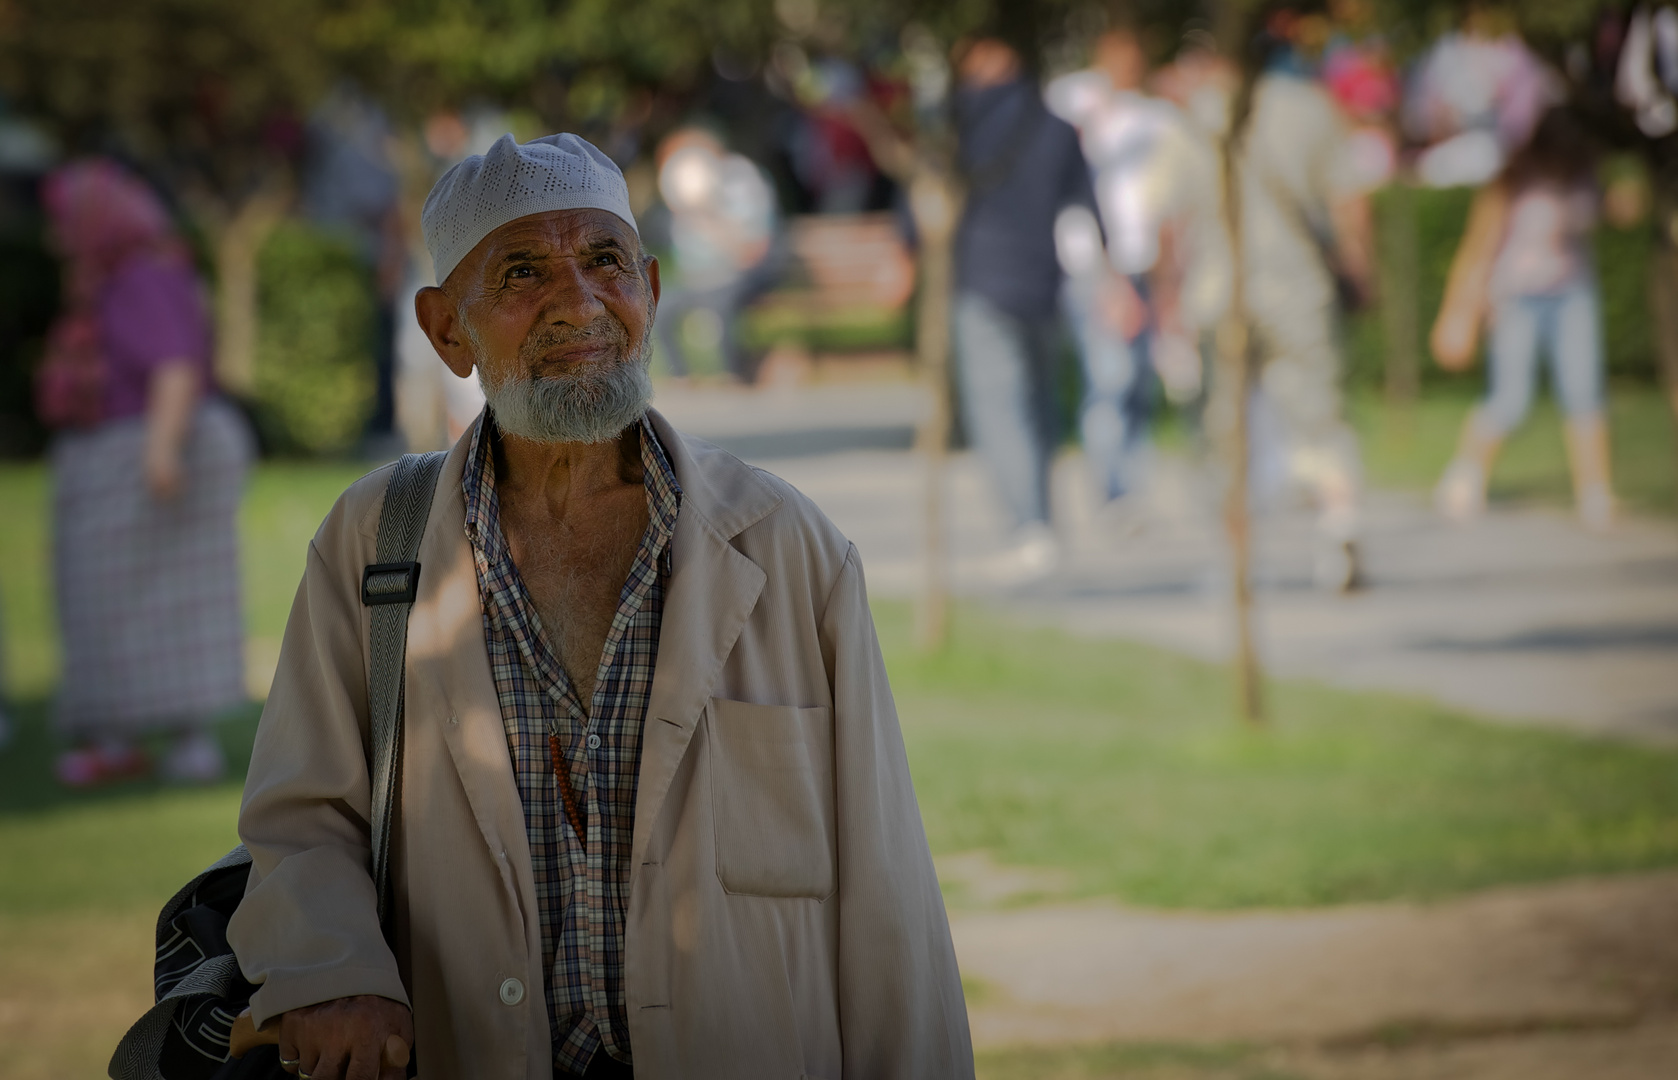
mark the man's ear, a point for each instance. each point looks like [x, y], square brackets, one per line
[652, 278]
[438, 317]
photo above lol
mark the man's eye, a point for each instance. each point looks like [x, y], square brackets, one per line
[520, 272]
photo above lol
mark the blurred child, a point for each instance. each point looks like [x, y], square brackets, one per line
[1525, 267]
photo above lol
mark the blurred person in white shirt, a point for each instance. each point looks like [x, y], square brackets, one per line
[723, 228]
[1123, 133]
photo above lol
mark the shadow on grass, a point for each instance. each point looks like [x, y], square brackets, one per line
[27, 784]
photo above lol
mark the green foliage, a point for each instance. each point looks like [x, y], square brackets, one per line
[190, 86]
[315, 380]
[1622, 257]
[1622, 265]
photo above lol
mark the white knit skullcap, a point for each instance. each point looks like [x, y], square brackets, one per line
[513, 180]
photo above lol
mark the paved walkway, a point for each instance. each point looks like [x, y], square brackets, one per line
[1506, 960]
[1521, 616]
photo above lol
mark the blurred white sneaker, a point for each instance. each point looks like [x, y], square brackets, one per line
[1461, 494]
[194, 759]
[1596, 508]
[1034, 556]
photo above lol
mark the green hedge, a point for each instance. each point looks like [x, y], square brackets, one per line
[315, 379]
[1622, 261]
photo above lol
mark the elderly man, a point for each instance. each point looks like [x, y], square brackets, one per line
[656, 815]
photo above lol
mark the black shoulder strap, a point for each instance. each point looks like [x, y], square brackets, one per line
[389, 587]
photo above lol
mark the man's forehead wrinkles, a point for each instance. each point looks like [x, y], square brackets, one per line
[579, 241]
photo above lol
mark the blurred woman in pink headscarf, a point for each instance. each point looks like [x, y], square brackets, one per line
[148, 464]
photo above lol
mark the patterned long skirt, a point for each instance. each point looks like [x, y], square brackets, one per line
[148, 591]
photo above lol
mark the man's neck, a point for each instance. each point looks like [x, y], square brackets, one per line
[563, 477]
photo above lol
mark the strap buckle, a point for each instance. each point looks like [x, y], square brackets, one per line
[390, 583]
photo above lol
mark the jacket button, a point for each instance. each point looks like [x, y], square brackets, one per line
[512, 992]
[594, 742]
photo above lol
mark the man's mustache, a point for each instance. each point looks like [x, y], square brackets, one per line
[606, 327]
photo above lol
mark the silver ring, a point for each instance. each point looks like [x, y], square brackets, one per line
[291, 1064]
[301, 1075]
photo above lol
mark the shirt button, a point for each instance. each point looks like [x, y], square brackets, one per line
[594, 742]
[512, 992]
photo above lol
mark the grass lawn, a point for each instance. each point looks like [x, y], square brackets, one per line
[1120, 766]
[1409, 449]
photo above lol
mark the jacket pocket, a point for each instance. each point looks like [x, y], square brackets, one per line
[772, 799]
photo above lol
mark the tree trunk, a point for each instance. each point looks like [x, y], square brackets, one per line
[1399, 271]
[935, 201]
[1234, 374]
[238, 237]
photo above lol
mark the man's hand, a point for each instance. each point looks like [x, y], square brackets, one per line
[345, 1039]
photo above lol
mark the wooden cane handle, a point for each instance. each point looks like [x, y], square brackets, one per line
[247, 1036]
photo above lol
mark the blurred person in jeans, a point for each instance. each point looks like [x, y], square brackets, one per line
[723, 229]
[1306, 249]
[1122, 131]
[147, 466]
[1525, 267]
[1022, 166]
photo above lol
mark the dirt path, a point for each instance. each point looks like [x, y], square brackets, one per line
[1581, 963]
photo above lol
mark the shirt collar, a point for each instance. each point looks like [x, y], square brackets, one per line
[664, 492]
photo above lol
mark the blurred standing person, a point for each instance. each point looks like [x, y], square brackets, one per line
[1022, 166]
[1122, 131]
[723, 229]
[1476, 95]
[1526, 269]
[147, 468]
[1307, 249]
[351, 187]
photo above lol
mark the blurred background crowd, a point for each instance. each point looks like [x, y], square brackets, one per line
[1309, 249]
[208, 236]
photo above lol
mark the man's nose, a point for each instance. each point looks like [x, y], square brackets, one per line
[571, 296]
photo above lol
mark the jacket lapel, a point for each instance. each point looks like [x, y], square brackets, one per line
[450, 689]
[712, 591]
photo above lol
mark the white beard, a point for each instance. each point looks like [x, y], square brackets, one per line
[591, 405]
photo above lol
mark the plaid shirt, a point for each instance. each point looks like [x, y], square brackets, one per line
[582, 888]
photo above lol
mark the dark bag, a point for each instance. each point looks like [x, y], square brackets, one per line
[200, 990]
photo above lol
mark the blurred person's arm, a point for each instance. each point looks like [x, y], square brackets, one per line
[171, 396]
[1344, 191]
[1354, 242]
[1457, 329]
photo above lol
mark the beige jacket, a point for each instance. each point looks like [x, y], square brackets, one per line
[784, 919]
